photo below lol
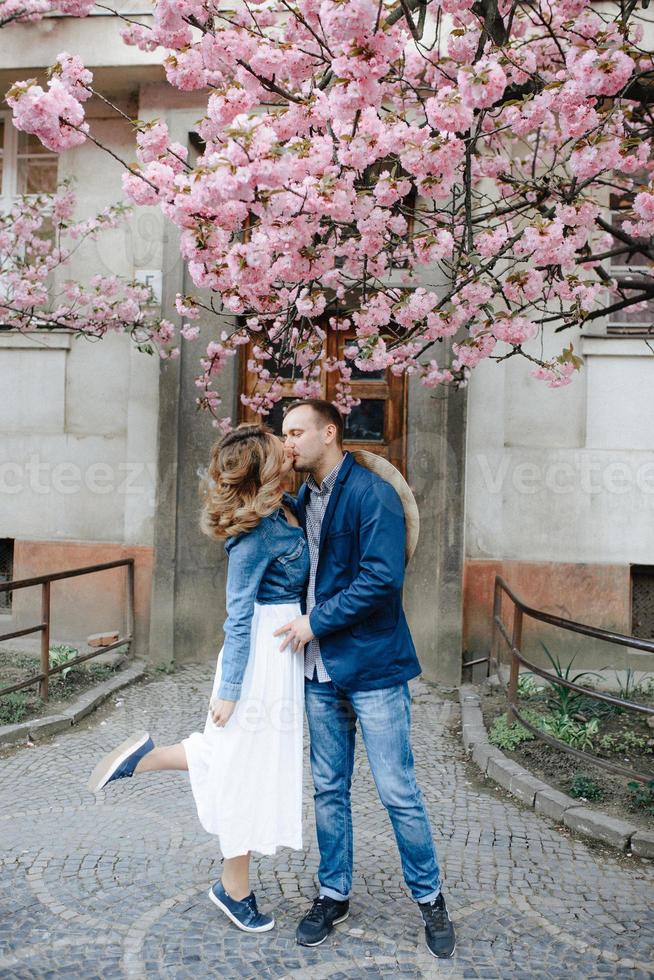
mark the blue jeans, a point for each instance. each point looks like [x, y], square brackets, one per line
[385, 719]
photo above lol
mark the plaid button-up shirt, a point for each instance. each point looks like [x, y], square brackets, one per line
[317, 500]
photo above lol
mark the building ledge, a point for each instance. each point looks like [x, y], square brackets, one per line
[35, 340]
[597, 345]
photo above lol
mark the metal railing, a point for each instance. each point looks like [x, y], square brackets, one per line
[43, 677]
[514, 642]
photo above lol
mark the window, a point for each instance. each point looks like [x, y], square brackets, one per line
[378, 424]
[6, 571]
[642, 601]
[26, 167]
[634, 321]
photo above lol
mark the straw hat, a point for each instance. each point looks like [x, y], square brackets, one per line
[392, 475]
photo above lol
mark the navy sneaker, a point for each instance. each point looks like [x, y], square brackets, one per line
[121, 762]
[439, 931]
[319, 921]
[243, 914]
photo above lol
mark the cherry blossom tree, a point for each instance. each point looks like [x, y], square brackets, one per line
[24, 11]
[406, 170]
[38, 238]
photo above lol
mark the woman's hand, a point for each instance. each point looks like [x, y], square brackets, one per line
[221, 711]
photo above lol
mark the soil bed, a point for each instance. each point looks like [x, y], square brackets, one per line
[26, 704]
[610, 793]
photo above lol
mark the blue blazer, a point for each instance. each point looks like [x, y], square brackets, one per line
[365, 641]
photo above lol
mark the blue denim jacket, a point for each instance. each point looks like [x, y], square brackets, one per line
[269, 564]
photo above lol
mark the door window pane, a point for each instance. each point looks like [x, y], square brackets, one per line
[2, 153]
[359, 375]
[365, 423]
[276, 416]
[36, 166]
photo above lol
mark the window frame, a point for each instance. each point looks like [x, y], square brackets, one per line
[6, 598]
[616, 327]
[9, 150]
[392, 389]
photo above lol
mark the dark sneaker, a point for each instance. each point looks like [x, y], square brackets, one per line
[439, 931]
[121, 762]
[319, 921]
[243, 914]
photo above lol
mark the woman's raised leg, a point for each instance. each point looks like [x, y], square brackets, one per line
[163, 757]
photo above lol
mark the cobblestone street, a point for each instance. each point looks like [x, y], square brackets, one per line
[116, 886]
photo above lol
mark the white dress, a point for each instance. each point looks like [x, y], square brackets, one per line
[246, 778]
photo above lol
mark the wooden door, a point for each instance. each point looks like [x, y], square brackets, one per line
[378, 424]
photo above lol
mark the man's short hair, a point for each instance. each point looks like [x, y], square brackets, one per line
[327, 412]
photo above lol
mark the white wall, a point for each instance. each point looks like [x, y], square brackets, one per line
[563, 475]
[78, 419]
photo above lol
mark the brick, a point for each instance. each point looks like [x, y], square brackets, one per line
[524, 786]
[642, 844]
[503, 770]
[103, 639]
[118, 888]
[599, 826]
[471, 715]
[41, 727]
[482, 753]
[12, 734]
[91, 699]
[469, 693]
[552, 803]
[474, 735]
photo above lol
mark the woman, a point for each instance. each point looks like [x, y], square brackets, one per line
[246, 767]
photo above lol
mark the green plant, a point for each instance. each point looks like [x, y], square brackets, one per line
[62, 653]
[507, 736]
[642, 796]
[168, 668]
[585, 787]
[630, 742]
[624, 742]
[579, 735]
[13, 708]
[607, 743]
[563, 699]
[591, 708]
[631, 684]
[527, 686]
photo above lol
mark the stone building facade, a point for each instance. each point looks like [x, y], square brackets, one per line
[101, 447]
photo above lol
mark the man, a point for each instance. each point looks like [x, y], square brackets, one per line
[359, 656]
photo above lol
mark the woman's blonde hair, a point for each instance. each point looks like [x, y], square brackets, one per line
[243, 481]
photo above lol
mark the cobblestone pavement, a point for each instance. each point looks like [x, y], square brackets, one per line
[116, 886]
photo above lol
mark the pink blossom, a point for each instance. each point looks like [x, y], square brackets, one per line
[470, 352]
[601, 73]
[350, 176]
[556, 375]
[76, 8]
[73, 76]
[224, 107]
[482, 84]
[185, 70]
[528, 282]
[433, 376]
[152, 141]
[55, 116]
[447, 111]
[139, 36]
[490, 241]
[513, 329]
[462, 48]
